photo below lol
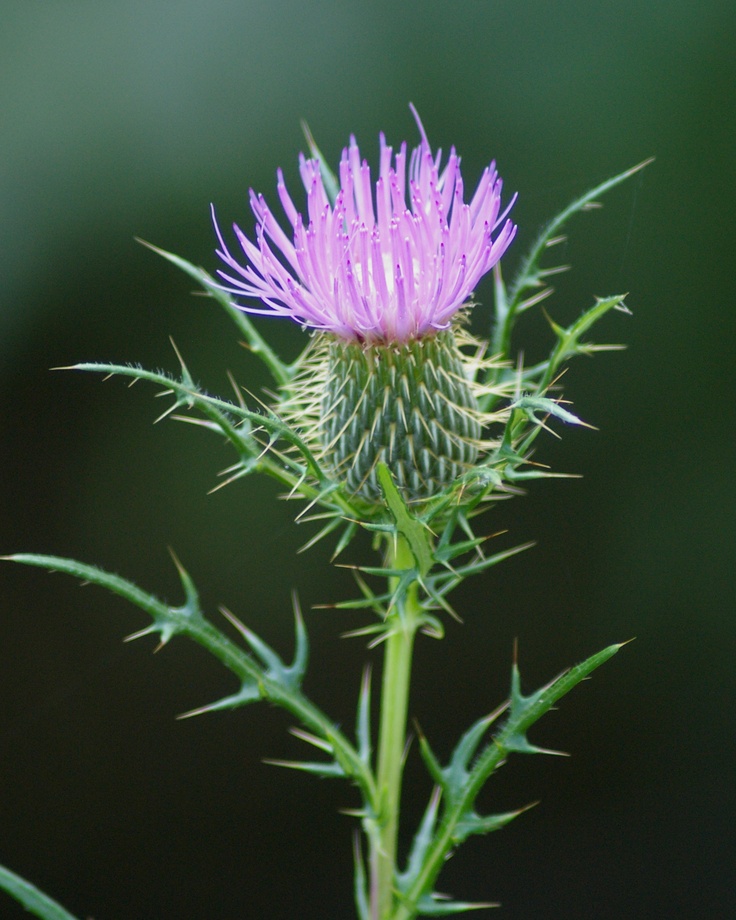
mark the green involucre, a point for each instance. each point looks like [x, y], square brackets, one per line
[410, 406]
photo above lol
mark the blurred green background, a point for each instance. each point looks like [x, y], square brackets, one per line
[127, 119]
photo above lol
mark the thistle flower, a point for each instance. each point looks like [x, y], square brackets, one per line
[383, 280]
[374, 269]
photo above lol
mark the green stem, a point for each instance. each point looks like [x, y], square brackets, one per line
[392, 735]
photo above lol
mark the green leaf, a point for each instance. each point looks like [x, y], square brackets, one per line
[275, 668]
[422, 841]
[524, 711]
[281, 372]
[167, 621]
[323, 770]
[360, 886]
[414, 532]
[34, 901]
[472, 823]
[459, 818]
[449, 579]
[569, 342]
[363, 719]
[431, 762]
[277, 686]
[530, 284]
[457, 772]
[532, 404]
[254, 435]
[529, 271]
[435, 905]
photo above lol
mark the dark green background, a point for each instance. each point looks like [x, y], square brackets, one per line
[126, 119]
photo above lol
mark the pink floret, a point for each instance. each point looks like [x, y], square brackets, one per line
[373, 266]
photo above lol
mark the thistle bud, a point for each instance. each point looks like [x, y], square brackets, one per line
[408, 405]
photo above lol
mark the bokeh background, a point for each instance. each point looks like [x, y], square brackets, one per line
[127, 119]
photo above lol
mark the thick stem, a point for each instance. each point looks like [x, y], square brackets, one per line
[392, 736]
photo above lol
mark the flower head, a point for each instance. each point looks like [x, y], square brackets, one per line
[387, 268]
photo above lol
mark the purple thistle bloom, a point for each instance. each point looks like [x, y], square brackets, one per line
[373, 269]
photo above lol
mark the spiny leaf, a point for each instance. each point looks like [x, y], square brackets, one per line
[414, 532]
[167, 620]
[421, 843]
[435, 905]
[473, 823]
[532, 404]
[187, 394]
[459, 818]
[524, 711]
[281, 372]
[444, 553]
[430, 761]
[445, 581]
[457, 770]
[360, 889]
[278, 687]
[285, 675]
[363, 719]
[34, 900]
[569, 339]
[325, 770]
[528, 274]
[251, 691]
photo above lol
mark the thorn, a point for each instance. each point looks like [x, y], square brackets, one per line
[233, 620]
[362, 631]
[257, 399]
[168, 411]
[210, 707]
[309, 738]
[540, 750]
[147, 631]
[296, 606]
[309, 137]
[536, 298]
[563, 370]
[177, 562]
[148, 245]
[238, 391]
[378, 640]
[202, 422]
[557, 270]
[498, 711]
[184, 368]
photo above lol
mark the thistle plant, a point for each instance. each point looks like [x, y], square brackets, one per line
[394, 420]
